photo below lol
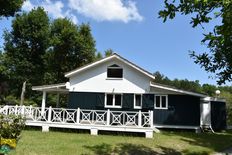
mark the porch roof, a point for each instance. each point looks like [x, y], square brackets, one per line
[168, 89]
[56, 88]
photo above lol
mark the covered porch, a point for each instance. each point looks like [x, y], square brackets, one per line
[58, 89]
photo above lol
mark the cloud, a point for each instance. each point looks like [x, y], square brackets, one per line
[100, 10]
[54, 8]
[107, 10]
[27, 6]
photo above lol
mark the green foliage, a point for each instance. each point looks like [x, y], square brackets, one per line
[40, 51]
[10, 7]
[109, 52]
[98, 56]
[180, 84]
[209, 89]
[11, 126]
[228, 97]
[25, 47]
[11, 100]
[72, 47]
[218, 59]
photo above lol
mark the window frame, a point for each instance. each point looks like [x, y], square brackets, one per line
[114, 67]
[113, 101]
[141, 101]
[160, 107]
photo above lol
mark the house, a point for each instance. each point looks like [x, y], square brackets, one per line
[119, 85]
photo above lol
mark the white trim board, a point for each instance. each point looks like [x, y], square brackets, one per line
[61, 87]
[177, 90]
[113, 56]
[176, 126]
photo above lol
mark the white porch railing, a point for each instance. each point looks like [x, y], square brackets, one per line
[82, 116]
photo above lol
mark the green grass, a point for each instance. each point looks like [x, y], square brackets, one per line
[60, 143]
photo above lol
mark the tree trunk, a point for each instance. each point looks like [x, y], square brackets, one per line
[22, 93]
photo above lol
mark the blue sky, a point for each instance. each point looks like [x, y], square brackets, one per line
[132, 29]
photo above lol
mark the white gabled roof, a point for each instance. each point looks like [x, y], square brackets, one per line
[176, 90]
[113, 56]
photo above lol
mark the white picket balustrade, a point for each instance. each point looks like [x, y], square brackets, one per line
[81, 116]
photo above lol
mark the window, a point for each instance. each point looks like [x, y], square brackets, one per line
[113, 100]
[114, 71]
[137, 101]
[161, 102]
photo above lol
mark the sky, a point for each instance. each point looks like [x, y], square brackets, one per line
[132, 29]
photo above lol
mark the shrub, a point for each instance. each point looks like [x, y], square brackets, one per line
[11, 126]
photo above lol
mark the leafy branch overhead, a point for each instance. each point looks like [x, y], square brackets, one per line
[8, 8]
[218, 59]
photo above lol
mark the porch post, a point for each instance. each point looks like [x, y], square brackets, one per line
[140, 119]
[151, 118]
[43, 103]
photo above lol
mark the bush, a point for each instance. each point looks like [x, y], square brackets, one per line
[11, 126]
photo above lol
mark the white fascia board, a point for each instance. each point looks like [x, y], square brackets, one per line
[178, 90]
[69, 74]
[214, 99]
[44, 87]
[137, 68]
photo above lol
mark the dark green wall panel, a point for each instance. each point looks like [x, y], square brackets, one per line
[148, 101]
[218, 115]
[128, 102]
[182, 110]
[86, 100]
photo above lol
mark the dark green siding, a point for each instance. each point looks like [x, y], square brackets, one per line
[128, 102]
[148, 101]
[182, 110]
[86, 100]
[218, 115]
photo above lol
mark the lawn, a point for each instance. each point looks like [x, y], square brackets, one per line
[34, 142]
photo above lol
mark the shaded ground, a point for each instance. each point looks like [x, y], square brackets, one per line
[224, 152]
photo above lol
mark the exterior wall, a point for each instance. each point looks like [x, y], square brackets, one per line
[218, 115]
[183, 110]
[95, 80]
[85, 100]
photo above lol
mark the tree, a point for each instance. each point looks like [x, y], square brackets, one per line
[161, 79]
[10, 7]
[178, 83]
[98, 56]
[228, 96]
[109, 52]
[71, 47]
[209, 89]
[3, 79]
[87, 49]
[25, 46]
[218, 59]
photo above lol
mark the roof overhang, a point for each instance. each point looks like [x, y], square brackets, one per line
[175, 90]
[207, 99]
[55, 88]
[114, 56]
